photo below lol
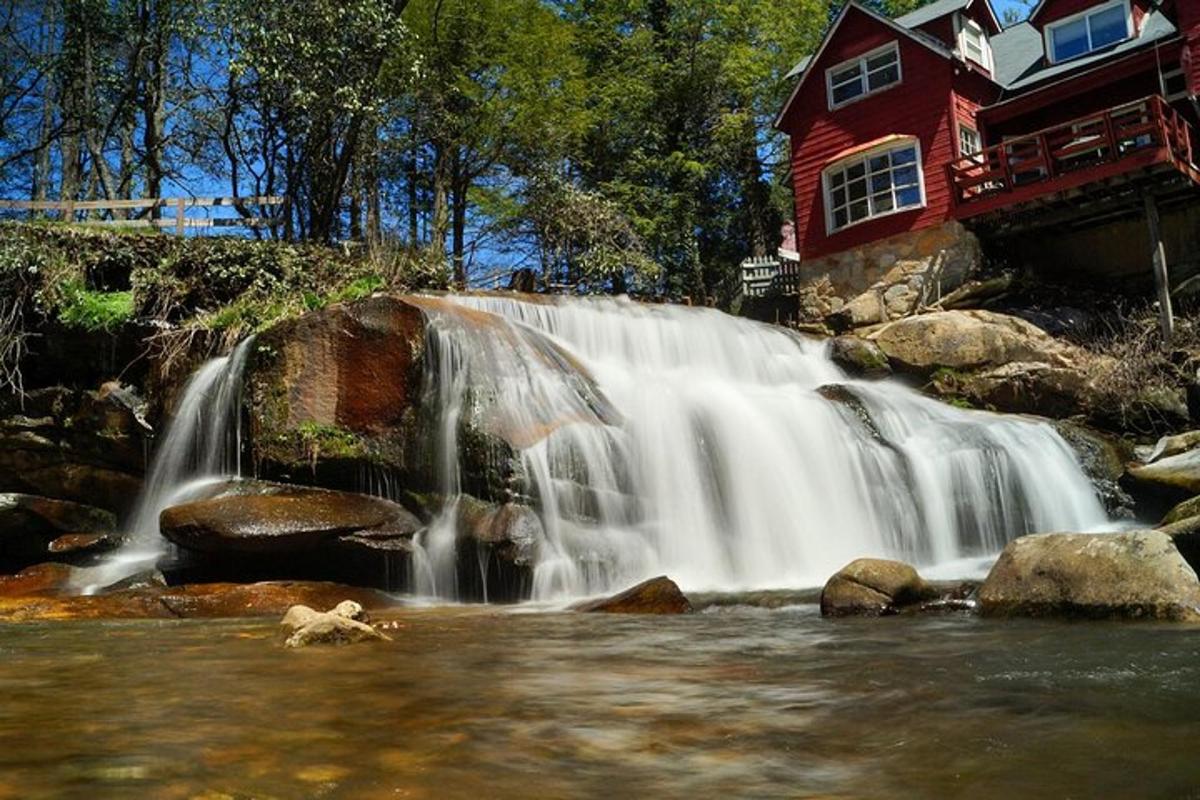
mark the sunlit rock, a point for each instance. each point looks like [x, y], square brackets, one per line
[872, 587]
[346, 623]
[1136, 575]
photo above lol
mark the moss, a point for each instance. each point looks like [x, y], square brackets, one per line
[81, 307]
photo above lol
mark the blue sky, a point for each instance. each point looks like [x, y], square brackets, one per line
[1001, 5]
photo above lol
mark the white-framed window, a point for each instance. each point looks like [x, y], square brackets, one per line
[869, 73]
[973, 43]
[969, 143]
[1174, 84]
[1089, 31]
[882, 181]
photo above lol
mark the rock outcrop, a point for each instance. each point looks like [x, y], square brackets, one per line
[658, 595]
[346, 623]
[874, 587]
[859, 357]
[1137, 575]
[1178, 473]
[35, 529]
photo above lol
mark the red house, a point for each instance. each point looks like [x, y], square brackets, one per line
[943, 118]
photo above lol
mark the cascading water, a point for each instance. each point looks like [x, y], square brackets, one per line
[726, 453]
[202, 445]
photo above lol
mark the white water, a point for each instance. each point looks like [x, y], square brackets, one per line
[202, 445]
[704, 451]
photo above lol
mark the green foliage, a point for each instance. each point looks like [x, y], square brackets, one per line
[94, 311]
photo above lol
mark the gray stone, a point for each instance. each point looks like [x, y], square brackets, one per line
[873, 587]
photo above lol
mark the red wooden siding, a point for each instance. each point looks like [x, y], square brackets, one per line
[919, 106]
[941, 29]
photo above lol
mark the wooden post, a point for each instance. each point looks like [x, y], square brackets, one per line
[1162, 281]
[179, 208]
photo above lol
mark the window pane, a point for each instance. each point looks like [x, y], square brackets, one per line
[905, 176]
[839, 218]
[882, 60]
[906, 156]
[881, 183]
[847, 92]
[884, 77]
[856, 171]
[858, 190]
[908, 197]
[879, 163]
[1070, 40]
[882, 203]
[1108, 27]
[859, 211]
[845, 75]
[839, 197]
[837, 179]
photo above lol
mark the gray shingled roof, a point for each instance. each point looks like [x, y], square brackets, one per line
[1019, 50]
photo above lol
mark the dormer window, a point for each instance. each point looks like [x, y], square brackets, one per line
[973, 44]
[1092, 30]
[869, 73]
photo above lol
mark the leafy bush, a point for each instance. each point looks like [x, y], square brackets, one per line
[81, 307]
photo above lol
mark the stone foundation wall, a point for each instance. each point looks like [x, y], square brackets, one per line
[890, 278]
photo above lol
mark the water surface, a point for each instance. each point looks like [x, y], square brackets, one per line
[484, 703]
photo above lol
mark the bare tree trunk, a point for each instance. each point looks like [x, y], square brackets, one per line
[41, 167]
[410, 169]
[441, 215]
[459, 220]
[154, 102]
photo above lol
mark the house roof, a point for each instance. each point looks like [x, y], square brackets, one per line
[1019, 52]
[939, 9]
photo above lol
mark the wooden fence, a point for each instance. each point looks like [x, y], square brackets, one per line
[68, 209]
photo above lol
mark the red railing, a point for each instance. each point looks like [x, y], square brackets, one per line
[1104, 138]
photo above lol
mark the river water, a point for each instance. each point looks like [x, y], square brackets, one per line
[488, 703]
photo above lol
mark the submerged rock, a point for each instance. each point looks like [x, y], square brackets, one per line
[658, 595]
[1136, 575]
[346, 623]
[873, 587]
[197, 601]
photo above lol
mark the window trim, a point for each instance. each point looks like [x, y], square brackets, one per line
[1048, 31]
[965, 126]
[964, 23]
[861, 62]
[864, 156]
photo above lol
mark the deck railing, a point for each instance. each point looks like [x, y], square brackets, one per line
[1103, 138]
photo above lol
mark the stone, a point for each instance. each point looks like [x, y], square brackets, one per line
[859, 357]
[1103, 458]
[1185, 535]
[859, 312]
[874, 587]
[83, 544]
[48, 579]
[1134, 575]
[1185, 510]
[658, 595]
[196, 601]
[30, 525]
[276, 518]
[344, 624]
[1180, 473]
[964, 340]
[901, 300]
[1169, 446]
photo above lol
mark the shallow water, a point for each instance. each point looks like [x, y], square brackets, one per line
[485, 703]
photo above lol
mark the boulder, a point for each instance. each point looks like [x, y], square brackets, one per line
[1185, 534]
[34, 528]
[874, 587]
[859, 357]
[276, 518]
[1185, 510]
[1103, 458]
[1179, 473]
[1135, 575]
[47, 579]
[968, 340]
[344, 624]
[1169, 446]
[656, 596]
[197, 601]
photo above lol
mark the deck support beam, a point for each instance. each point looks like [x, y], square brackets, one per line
[1162, 280]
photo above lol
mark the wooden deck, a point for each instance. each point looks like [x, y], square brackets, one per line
[1138, 143]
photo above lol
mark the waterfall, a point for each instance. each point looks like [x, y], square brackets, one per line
[725, 453]
[202, 445]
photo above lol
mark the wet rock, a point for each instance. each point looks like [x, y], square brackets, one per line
[656, 596]
[34, 528]
[872, 587]
[47, 579]
[1185, 534]
[1180, 473]
[277, 518]
[1136, 575]
[346, 623]
[859, 357]
[197, 601]
[969, 340]
[1103, 458]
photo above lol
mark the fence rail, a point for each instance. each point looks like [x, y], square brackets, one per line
[180, 205]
